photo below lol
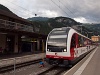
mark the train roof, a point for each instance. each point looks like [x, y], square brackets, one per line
[69, 28]
[63, 28]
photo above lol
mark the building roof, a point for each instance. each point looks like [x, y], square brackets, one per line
[6, 12]
[31, 34]
[95, 36]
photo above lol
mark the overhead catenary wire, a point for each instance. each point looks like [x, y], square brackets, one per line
[68, 9]
[89, 17]
[60, 8]
[35, 14]
[20, 7]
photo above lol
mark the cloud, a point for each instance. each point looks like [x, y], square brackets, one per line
[81, 19]
[80, 10]
[48, 13]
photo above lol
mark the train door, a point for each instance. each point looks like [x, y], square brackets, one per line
[73, 44]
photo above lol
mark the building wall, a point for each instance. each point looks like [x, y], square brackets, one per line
[2, 41]
[4, 17]
[16, 44]
[10, 19]
[95, 38]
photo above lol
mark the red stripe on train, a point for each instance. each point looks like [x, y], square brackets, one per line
[59, 57]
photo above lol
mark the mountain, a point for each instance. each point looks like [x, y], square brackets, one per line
[45, 25]
[62, 21]
[95, 28]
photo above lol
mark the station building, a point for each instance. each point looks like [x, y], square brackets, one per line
[95, 38]
[18, 35]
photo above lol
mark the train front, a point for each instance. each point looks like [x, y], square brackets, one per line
[56, 46]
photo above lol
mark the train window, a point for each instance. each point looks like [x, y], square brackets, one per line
[57, 38]
[81, 41]
[85, 41]
[89, 42]
[58, 32]
[57, 41]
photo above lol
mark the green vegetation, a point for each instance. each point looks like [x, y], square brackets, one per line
[38, 19]
[94, 28]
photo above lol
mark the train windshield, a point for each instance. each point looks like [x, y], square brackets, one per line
[57, 38]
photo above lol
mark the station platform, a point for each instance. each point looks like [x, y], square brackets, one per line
[90, 65]
[20, 58]
[6, 56]
[93, 67]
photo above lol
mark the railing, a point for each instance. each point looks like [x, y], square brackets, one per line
[16, 26]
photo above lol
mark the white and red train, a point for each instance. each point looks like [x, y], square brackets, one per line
[66, 46]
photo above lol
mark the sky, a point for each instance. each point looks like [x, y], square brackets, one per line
[84, 11]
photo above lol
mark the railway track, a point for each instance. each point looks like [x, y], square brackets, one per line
[11, 67]
[55, 70]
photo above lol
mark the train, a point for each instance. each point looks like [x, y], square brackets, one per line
[66, 46]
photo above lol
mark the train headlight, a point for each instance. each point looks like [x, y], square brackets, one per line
[47, 49]
[65, 50]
